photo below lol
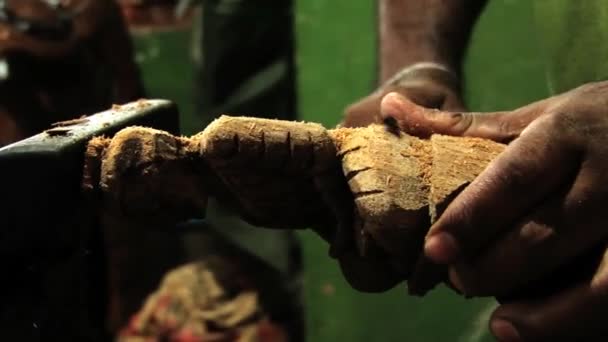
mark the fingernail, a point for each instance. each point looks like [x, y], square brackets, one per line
[504, 331]
[442, 248]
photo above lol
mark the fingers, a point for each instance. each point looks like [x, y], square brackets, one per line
[423, 93]
[423, 122]
[577, 314]
[520, 178]
[556, 233]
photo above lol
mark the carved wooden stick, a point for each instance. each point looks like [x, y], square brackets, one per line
[368, 185]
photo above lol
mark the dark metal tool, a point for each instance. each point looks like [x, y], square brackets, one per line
[51, 250]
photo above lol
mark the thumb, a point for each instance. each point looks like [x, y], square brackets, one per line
[423, 122]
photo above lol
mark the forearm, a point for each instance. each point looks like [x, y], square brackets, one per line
[413, 31]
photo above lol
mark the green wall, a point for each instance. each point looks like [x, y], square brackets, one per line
[336, 63]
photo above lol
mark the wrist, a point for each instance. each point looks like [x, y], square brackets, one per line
[397, 54]
[409, 34]
[424, 72]
[393, 61]
[413, 31]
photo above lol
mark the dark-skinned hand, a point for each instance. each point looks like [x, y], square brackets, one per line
[425, 92]
[538, 206]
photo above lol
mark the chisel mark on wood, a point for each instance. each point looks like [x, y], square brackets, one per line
[362, 194]
[350, 175]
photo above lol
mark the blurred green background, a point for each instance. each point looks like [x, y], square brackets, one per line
[336, 64]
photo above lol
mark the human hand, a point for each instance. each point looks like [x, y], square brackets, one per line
[429, 87]
[536, 208]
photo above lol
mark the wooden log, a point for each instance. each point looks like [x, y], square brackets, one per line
[370, 188]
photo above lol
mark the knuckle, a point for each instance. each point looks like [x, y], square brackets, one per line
[507, 130]
[547, 137]
[560, 121]
[572, 127]
[534, 235]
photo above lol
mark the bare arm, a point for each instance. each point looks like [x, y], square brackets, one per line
[413, 31]
[412, 34]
